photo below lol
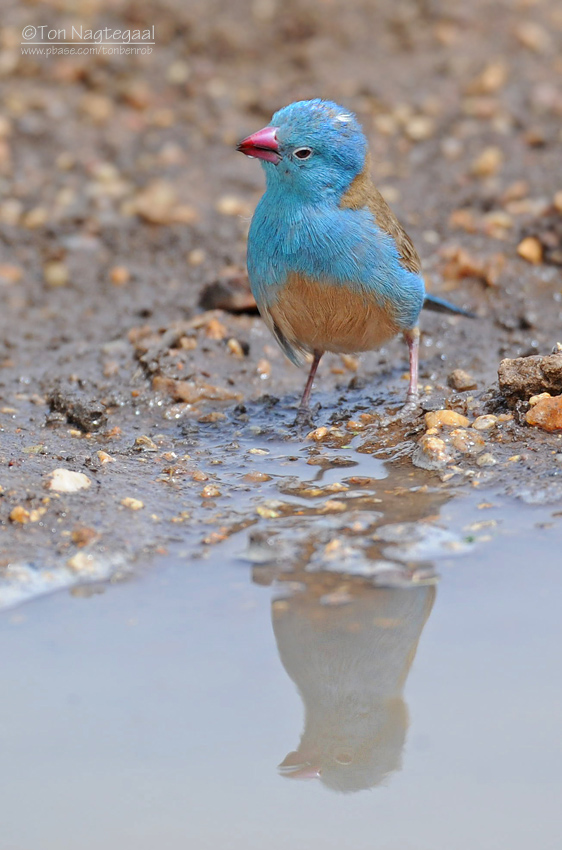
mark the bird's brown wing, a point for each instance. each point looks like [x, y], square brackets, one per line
[362, 193]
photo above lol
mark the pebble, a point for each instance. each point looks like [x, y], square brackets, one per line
[431, 453]
[448, 418]
[318, 434]
[531, 250]
[82, 562]
[231, 205]
[55, 273]
[461, 381]
[210, 491]
[488, 162]
[546, 414]
[104, 458]
[20, 514]
[235, 348]
[467, 442]
[67, 481]
[536, 398]
[484, 423]
[132, 504]
[120, 275]
[486, 459]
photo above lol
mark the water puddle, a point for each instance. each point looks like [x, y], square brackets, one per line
[382, 675]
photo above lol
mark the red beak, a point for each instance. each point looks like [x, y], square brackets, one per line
[262, 145]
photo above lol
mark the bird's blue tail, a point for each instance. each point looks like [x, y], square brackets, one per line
[439, 305]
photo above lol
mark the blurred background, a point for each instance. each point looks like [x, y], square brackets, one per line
[462, 104]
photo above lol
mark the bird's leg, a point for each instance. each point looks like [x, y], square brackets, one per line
[412, 337]
[303, 414]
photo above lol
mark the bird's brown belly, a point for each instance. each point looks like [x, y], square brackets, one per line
[331, 317]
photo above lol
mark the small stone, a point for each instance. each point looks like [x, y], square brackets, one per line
[263, 368]
[83, 535]
[120, 275]
[546, 414]
[256, 477]
[196, 257]
[67, 481]
[318, 434]
[178, 73]
[484, 423]
[445, 418]
[231, 205]
[486, 459]
[431, 453]
[488, 162]
[419, 128]
[55, 273]
[536, 398]
[210, 491]
[132, 504]
[235, 348]
[104, 458]
[20, 514]
[533, 36]
[350, 362]
[10, 274]
[490, 80]
[461, 381]
[467, 442]
[531, 250]
[215, 329]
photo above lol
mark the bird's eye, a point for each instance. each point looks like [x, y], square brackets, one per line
[303, 153]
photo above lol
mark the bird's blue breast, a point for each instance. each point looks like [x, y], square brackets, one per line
[325, 243]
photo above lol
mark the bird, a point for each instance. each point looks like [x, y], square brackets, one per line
[330, 266]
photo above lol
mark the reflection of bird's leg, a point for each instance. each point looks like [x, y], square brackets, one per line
[303, 415]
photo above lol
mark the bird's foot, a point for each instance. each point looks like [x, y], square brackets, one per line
[304, 419]
[411, 409]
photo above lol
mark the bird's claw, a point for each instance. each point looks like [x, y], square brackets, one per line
[304, 419]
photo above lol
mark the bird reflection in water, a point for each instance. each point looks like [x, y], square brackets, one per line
[350, 663]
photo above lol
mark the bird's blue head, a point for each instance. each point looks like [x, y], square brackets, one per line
[313, 148]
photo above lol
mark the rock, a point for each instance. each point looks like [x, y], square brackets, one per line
[55, 273]
[488, 162]
[530, 249]
[120, 275]
[467, 442]
[461, 381]
[524, 377]
[20, 514]
[87, 415]
[66, 481]
[231, 293]
[210, 491]
[132, 504]
[546, 414]
[484, 423]
[486, 459]
[447, 418]
[232, 205]
[461, 263]
[431, 453]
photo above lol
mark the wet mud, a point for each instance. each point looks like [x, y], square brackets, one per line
[130, 350]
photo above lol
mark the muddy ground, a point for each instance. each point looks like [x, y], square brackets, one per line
[124, 210]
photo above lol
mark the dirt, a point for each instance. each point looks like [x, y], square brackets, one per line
[124, 210]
